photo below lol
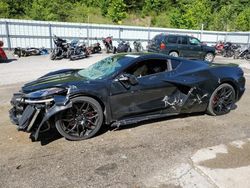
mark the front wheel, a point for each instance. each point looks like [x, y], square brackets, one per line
[82, 121]
[99, 49]
[209, 57]
[52, 56]
[222, 100]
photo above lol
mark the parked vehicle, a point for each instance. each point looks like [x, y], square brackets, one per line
[137, 46]
[242, 53]
[77, 50]
[108, 44]
[61, 49]
[95, 48]
[124, 89]
[24, 52]
[229, 49]
[123, 46]
[181, 46]
[3, 56]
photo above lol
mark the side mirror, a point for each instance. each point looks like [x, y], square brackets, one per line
[131, 79]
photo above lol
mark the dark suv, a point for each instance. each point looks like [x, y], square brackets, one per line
[181, 45]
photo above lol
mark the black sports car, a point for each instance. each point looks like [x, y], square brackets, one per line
[124, 89]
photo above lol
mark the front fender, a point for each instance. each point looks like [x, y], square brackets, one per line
[51, 112]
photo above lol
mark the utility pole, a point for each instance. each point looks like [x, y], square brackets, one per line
[202, 27]
[88, 30]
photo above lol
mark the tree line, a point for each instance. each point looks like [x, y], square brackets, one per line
[221, 15]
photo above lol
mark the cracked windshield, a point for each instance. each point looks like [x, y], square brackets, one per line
[101, 69]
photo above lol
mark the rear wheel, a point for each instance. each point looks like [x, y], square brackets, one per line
[53, 54]
[209, 57]
[174, 54]
[222, 100]
[247, 56]
[82, 121]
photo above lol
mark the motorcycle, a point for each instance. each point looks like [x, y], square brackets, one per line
[242, 53]
[3, 56]
[138, 46]
[95, 48]
[219, 48]
[123, 47]
[77, 50]
[24, 52]
[108, 44]
[61, 49]
[229, 49]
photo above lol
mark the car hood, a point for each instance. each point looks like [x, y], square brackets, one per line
[62, 78]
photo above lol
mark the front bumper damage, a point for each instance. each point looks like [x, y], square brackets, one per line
[33, 115]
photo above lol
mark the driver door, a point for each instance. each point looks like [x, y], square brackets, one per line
[147, 96]
[195, 48]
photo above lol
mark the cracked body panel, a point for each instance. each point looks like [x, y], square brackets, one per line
[127, 88]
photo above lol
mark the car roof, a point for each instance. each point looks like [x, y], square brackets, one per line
[130, 58]
[140, 55]
[167, 34]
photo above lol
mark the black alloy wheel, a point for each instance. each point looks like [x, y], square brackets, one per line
[222, 100]
[82, 121]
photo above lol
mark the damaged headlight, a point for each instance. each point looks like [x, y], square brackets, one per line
[46, 92]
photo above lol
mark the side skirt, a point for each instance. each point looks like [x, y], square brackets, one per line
[138, 119]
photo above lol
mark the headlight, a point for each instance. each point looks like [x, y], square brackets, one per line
[46, 92]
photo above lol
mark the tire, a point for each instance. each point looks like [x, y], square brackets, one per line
[231, 53]
[209, 57]
[236, 55]
[107, 50]
[217, 102]
[86, 54]
[228, 53]
[74, 123]
[69, 53]
[53, 55]
[247, 56]
[99, 49]
[174, 54]
[114, 50]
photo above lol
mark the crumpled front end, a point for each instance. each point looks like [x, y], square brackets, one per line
[33, 115]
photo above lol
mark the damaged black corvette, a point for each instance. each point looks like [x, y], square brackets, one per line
[124, 89]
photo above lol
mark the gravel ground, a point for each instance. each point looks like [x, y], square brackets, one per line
[149, 154]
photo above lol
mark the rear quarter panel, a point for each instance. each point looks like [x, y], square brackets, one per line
[231, 74]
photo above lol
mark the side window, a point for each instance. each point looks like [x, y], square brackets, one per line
[184, 40]
[194, 41]
[148, 67]
[158, 39]
[172, 39]
[179, 40]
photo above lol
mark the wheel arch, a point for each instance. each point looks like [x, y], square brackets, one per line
[170, 51]
[98, 99]
[233, 84]
[212, 52]
[89, 95]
